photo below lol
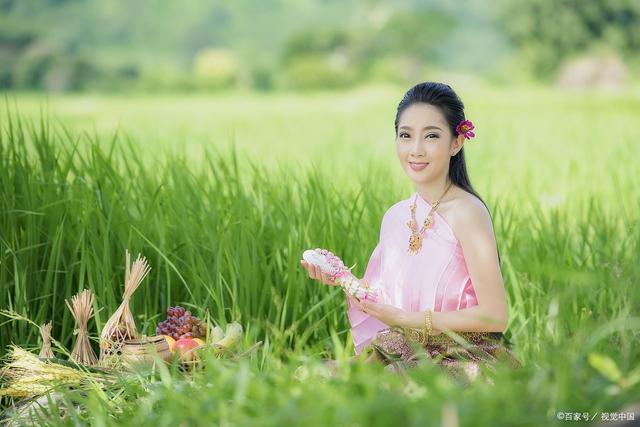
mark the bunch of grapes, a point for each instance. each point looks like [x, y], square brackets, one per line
[181, 323]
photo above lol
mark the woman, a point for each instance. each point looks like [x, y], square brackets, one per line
[437, 260]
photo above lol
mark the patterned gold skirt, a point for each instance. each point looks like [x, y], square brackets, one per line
[460, 354]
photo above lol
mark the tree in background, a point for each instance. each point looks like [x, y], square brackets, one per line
[547, 33]
[391, 45]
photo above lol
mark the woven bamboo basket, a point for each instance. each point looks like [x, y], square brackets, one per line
[144, 349]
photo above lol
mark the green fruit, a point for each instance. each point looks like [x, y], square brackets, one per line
[232, 337]
[216, 334]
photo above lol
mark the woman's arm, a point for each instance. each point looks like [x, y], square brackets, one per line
[472, 319]
[475, 233]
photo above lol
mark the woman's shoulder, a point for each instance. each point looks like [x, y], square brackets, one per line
[465, 201]
[397, 206]
[396, 209]
[467, 212]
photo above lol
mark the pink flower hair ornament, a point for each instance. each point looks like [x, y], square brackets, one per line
[465, 128]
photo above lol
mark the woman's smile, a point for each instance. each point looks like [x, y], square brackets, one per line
[418, 166]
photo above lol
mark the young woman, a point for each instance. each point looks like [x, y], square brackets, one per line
[437, 259]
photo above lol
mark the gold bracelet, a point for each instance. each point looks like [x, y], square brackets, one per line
[428, 329]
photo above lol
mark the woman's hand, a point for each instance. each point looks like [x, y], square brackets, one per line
[316, 273]
[387, 314]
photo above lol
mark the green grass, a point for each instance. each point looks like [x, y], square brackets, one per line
[224, 229]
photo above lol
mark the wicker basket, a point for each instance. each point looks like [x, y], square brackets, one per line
[144, 349]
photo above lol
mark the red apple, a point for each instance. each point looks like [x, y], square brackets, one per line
[186, 349]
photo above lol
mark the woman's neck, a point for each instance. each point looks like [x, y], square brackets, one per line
[432, 191]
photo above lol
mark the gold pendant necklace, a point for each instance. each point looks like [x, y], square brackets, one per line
[416, 238]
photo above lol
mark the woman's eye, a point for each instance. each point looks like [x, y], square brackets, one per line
[431, 135]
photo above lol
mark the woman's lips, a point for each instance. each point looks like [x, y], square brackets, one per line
[418, 166]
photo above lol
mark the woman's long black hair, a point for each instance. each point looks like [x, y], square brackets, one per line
[441, 95]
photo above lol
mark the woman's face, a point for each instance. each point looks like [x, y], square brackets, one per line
[424, 138]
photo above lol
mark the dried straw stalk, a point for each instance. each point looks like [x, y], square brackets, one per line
[121, 326]
[82, 309]
[26, 375]
[45, 332]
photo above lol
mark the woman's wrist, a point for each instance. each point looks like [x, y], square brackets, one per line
[411, 319]
[416, 320]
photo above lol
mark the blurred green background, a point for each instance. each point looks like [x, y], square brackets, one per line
[163, 45]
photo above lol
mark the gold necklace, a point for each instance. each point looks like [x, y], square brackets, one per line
[415, 240]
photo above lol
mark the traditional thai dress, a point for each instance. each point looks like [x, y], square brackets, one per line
[435, 278]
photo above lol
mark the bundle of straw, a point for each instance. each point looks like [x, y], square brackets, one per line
[82, 309]
[26, 375]
[45, 332]
[121, 326]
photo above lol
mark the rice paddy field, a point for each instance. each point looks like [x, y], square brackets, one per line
[223, 193]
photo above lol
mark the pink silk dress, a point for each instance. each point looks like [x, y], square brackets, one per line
[436, 277]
